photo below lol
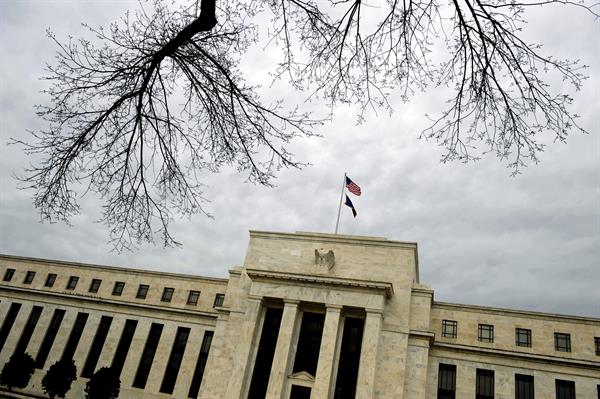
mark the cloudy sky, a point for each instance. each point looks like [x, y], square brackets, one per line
[530, 242]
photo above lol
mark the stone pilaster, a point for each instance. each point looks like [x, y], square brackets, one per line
[368, 355]
[324, 379]
[281, 359]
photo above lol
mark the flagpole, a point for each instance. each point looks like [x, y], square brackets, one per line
[337, 223]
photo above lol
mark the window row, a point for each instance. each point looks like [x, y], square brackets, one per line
[484, 385]
[97, 345]
[485, 333]
[118, 287]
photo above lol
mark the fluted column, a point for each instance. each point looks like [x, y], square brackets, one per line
[368, 355]
[324, 378]
[281, 359]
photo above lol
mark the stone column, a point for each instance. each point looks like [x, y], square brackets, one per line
[368, 355]
[281, 359]
[324, 378]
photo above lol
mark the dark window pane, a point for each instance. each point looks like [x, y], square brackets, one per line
[96, 348]
[449, 328]
[219, 300]
[345, 385]
[523, 337]
[8, 274]
[9, 320]
[142, 291]
[141, 376]
[446, 381]
[264, 355]
[123, 346]
[200, 364]
[50, 280]
[484, 384]
[95, 285]
[597, 343]
[300, 392]
[48, 340]
[168, 382]
[32, 321]
[524, 386]
[193, 298]
[75, 335]
[118, 288]
[486, 333]
[29, 277]
[565, 389]
[309, 343]
[562, 342]
[72, 282]
[167, 294]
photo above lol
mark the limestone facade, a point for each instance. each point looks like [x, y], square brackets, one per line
[285, 328]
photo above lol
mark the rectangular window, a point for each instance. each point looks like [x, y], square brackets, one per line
[219, 300]
[193, 298]
[265, 353]
[95, 285]
[9, 320]
[446, 381]
[32, 321]
[50, 280]
[72, 282]
[523, 337]
[174, 362]
[142, 291]
[75, 336]
[562, 342]
[200, 364]
[167, 294]
[96, 349]
[123, 346]
[565, 389]
[449, 328]
[524, 387]
[143, 370]
[597, 343]
[300, 392]
[485, 333]
[309, 343]
[347, 375]
[484, 384]
[118, 288]
[49, 338]
[8, 274]
[29, 277]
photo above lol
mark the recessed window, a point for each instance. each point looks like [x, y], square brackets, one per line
[95, 285]
[193, 298]
[597, 343]
[142, 291]
[565, 389]
[524, 387]
[167, 294]
[8, 274]
[449, 328]
[29, 277]
[72, 282]
[219, 299]
[446, 381]
[523, 337]
[484, 384]
[562, 342]
[118, 288]
[50, 280]
[486, 333]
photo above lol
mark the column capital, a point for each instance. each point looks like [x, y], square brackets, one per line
[289, 301]
[255, 298]
[333, 307]
[373, 312]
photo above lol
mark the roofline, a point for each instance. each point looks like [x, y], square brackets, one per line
[527, 313]
[112, 268]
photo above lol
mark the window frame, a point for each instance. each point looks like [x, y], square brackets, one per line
[50, 280]
[9, 273]
[453, 325]
[484, 381]
[219, 300]
[167, 294]
[72, 283]
[93, 289]
[29, 273]
[597, 345]
[519, 333]
[558, 336]
[191, 295]
[146, 288]
[118, 288]
[562, 385]
[489, 328]
[528, 381]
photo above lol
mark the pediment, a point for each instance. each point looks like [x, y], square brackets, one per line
[302, 376]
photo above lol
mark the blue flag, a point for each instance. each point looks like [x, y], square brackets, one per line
[349, 204]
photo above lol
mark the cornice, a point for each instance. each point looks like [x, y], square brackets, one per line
[385, 287]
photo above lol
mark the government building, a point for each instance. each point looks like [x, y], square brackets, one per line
[308, 315]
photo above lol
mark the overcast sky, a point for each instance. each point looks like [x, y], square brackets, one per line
[485, 238]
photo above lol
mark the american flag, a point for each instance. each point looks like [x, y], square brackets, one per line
[352, 187]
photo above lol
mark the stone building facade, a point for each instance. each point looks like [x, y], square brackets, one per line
[306, 316]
